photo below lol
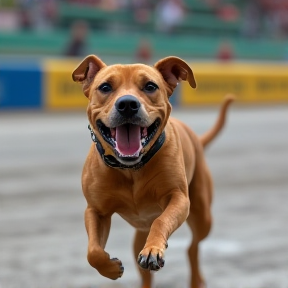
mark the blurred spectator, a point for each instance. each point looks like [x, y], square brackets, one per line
[25, 15]
[45, 14]
[144, 52]
[213, 3]
[112, 5]
[78, 39]
[228, 12]
[169, 14]
[225, 52]
[141, 10]
[8, 20]
[276, 17]
[251, 19]
[38, 15]
[102, 4]
[108, 5]
[266, 17]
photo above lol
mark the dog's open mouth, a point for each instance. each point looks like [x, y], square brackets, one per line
[128, 139]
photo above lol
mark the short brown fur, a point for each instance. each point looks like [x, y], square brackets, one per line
[173, 187]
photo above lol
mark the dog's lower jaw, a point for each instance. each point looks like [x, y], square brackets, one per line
[130, 162]
[112, 157]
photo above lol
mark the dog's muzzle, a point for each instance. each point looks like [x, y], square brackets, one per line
[127, 133]
[130, 132]
[129, 129]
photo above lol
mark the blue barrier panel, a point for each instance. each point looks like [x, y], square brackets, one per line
[20, 85]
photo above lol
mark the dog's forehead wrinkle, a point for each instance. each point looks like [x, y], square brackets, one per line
[110, 79]
[145, 77]
[110, 75]
[148, 72]
[140, 71]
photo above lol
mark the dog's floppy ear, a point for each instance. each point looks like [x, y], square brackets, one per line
[86, 72]
[173, 70]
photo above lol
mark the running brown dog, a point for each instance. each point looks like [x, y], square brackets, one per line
[147, 167]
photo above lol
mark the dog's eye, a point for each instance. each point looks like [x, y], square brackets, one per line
[105, 87]
[150, 87]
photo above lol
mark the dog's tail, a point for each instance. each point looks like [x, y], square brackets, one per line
[207, 137]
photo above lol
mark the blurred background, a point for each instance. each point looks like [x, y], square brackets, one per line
[233, 46]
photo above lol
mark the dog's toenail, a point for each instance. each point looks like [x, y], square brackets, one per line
[161, 262]
[142, 262]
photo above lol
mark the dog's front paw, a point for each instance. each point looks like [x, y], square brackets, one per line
[110, 268]
[151, 258]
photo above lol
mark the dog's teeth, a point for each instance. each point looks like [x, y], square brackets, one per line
[144, 132]
[113, 132]
[134, 155]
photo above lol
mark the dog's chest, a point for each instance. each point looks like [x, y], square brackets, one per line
[141, 219]
[140, 212]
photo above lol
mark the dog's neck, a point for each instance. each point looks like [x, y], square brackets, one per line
[111, 161]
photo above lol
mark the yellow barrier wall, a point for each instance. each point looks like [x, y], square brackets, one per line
[58, 87]
[251, 83]
[258, 83]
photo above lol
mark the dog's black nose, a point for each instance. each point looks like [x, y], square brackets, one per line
[127, 105]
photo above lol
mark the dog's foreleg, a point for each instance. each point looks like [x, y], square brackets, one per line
[176, 210]
[98, 228]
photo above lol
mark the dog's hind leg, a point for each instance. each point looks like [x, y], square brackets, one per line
[139, 242]
[200, 221]
[200, 229]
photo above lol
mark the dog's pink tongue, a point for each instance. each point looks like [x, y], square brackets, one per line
[128, 139]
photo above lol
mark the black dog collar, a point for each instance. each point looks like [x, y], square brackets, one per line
[111, 161]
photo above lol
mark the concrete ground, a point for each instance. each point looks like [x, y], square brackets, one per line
[42, 236]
